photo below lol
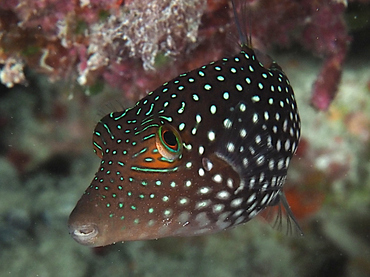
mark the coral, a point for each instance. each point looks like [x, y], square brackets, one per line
[163, 29]
[327, 35]
[82, 39]
[93, 41]
[12, 72]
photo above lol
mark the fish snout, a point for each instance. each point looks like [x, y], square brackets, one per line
[85, 234]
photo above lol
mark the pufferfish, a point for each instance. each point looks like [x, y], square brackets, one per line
[204, 152]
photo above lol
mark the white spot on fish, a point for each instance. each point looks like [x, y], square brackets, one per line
[217, 178]
[217, 208]
[211, 135]
[207, 164]
[223, 195]
[204, 190]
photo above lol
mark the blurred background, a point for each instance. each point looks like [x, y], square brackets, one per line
[65, 65]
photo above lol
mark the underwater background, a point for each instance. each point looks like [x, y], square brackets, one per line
[65, 65]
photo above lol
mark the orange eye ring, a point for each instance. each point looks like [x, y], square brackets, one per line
[168, 142]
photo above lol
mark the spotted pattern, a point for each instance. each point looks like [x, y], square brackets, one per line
[203, 152]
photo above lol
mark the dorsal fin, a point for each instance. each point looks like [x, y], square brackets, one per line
[244, 29]
[245, 37]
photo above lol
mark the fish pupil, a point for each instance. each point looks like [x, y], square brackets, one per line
[170, 139]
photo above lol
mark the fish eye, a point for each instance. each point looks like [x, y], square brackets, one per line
[170, 139]
[168, 142]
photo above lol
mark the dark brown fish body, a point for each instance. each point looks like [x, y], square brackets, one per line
[204, 152]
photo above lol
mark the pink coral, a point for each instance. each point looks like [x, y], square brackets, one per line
[326, 34]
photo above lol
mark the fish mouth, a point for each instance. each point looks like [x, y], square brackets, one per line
[85, 234]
